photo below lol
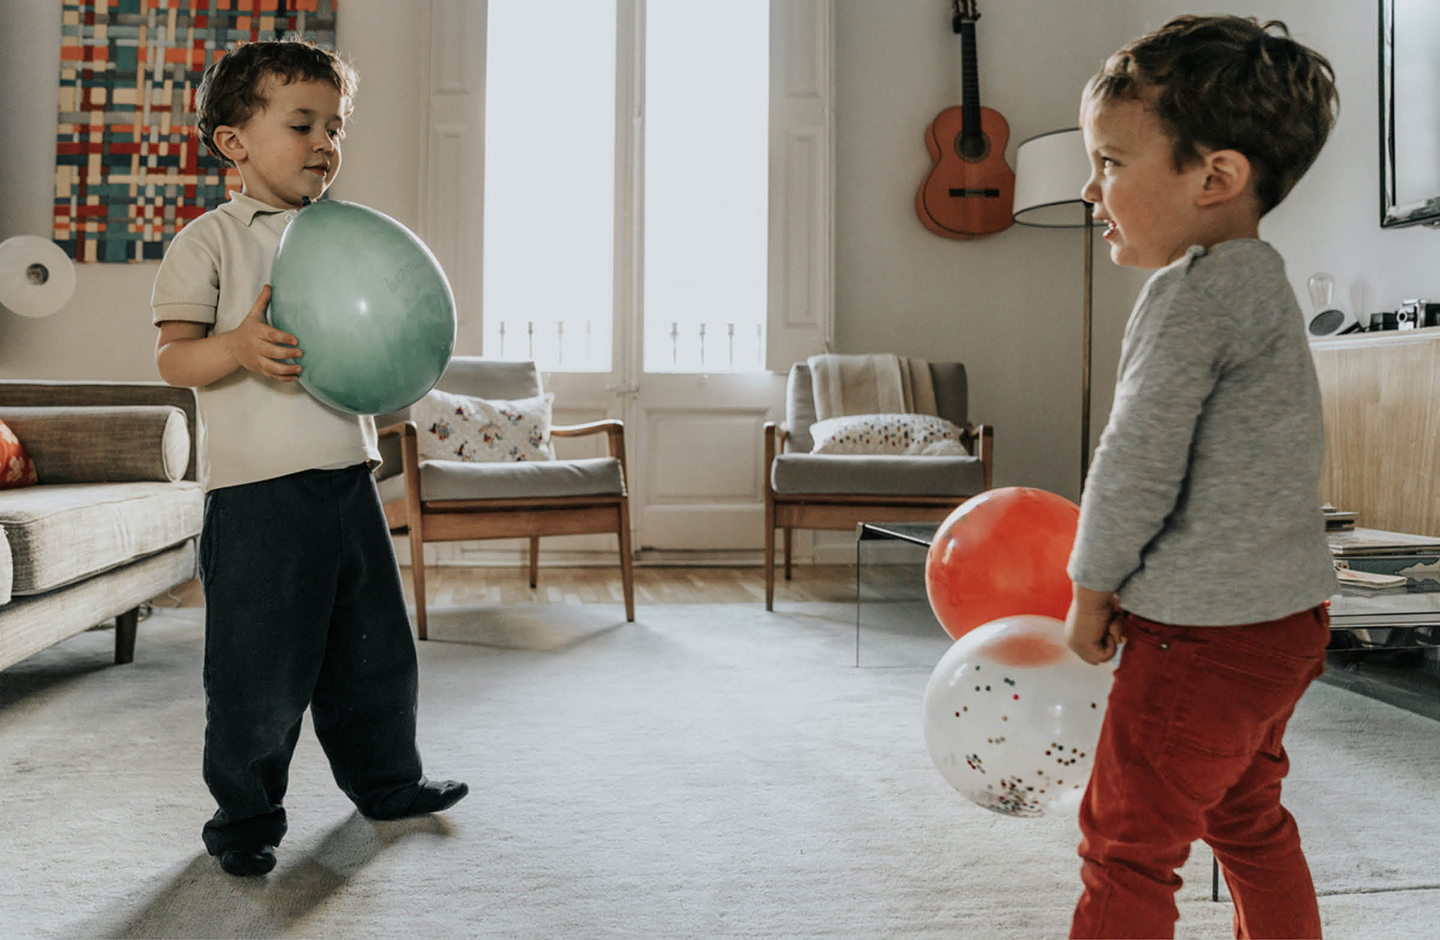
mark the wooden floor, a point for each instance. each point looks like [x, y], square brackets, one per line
[452, 586]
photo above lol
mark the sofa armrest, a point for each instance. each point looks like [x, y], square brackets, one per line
[103, 444]
[39, 393]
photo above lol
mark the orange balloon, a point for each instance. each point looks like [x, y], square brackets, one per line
[1001, 554]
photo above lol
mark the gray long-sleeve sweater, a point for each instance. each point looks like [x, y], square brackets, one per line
[1201, 507]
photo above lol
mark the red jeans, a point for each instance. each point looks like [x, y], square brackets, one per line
[1191, 749]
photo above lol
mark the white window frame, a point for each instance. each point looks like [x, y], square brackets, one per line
[800, 296]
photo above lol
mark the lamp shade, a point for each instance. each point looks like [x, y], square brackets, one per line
[1050, 172]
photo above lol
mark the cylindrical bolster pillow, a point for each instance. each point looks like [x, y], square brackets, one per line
[103, 444]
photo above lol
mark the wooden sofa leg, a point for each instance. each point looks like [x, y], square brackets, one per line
[417, 569]
[125, 636]
[534, 560]
[788, 530]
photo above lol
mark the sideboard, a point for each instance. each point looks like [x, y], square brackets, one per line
[1381, 396]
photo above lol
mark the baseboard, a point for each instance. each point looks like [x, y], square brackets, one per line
[477, 555]
[828, 548]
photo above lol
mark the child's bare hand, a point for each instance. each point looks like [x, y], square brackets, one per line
[1093, 626]
[260, 347]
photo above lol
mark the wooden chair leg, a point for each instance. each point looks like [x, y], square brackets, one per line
[627, 563]
[769, 555]
[534, 560]
[788, 530]
[417, 568]
[125, 636]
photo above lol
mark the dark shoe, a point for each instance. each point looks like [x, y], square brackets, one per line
[433, 797]
[248, 862]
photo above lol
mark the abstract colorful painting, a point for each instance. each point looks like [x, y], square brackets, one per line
[129, 168]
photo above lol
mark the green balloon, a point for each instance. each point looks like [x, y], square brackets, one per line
[368, 303]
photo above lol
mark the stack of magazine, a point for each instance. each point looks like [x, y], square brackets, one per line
[1376, 560]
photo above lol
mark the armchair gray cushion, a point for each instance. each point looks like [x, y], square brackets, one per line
[523, 479]
[834, 474]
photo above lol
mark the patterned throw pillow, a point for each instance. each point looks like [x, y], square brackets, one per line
[893, 434]
[475, 430]
[16, 467]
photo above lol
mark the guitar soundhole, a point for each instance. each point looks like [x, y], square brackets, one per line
[972, 149]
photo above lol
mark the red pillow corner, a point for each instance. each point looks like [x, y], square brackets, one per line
[16, 467]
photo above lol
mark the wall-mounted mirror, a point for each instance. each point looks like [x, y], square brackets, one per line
[1409, 113]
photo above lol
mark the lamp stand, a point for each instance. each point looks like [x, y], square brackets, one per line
[1085, 346]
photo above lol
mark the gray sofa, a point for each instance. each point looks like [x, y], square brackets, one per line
[114, 518]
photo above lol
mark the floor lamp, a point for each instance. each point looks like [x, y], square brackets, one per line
[1050, 171]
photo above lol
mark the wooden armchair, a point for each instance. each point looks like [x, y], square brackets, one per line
[445, 500]
[828, 491]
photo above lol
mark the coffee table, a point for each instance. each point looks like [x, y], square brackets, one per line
[890, 582]
[894, 625]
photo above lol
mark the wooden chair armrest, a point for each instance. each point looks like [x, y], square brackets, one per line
[780, 432]
[592, 427]
[774, 440]
[980, 439]
[613, 427]
[406, 428]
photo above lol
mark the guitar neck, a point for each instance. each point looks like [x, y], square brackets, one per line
[970, 88]
[971, 81]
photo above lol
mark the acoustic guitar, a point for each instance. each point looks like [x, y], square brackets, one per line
[971, 189]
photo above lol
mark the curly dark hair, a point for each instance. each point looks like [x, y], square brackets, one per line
[1229, 83]
[230, 90]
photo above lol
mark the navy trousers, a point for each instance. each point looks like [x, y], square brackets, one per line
[303, 608]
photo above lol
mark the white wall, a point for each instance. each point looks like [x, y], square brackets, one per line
[1008, 305]
[105, 331]
[1331, 221]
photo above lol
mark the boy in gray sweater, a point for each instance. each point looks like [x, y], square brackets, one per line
[1201, 543]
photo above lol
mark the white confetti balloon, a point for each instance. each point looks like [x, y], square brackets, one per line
[1012, 716]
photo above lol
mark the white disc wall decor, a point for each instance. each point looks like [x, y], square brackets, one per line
[37, 278]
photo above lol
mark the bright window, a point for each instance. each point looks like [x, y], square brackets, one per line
[707, 80]
[550, 174]
[550, 183]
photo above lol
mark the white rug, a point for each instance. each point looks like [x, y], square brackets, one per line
[708, 771]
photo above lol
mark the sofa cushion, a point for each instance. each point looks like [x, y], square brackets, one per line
[454, 479]
[835, 474]
[63, 533]
[104, 444]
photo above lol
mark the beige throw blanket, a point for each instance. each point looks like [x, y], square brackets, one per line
[875, 384]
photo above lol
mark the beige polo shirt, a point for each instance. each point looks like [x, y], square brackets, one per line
[251, 428]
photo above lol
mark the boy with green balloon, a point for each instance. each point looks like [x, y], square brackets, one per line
[303, 599]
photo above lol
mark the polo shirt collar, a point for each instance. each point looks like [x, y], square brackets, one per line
[246, 208]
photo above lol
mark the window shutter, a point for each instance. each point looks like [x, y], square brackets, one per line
[800, 314]
[453, 173]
